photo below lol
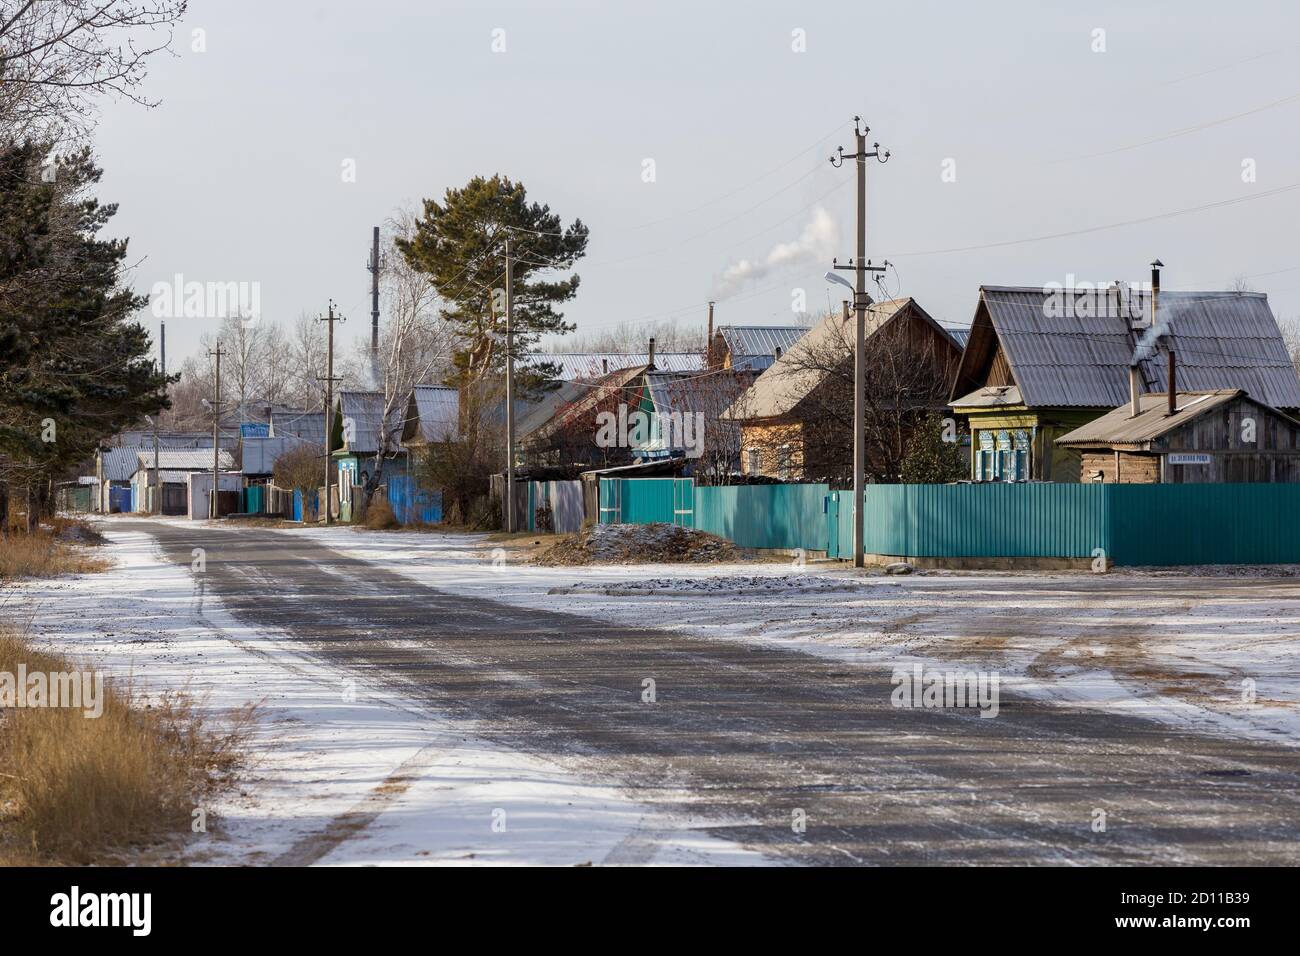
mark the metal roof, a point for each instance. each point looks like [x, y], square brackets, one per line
[437, 413]
[260, 454]
[183, 459]
[307, 425]
[960, 335]
[144, 438]
[1120, 427]
[587, 366]
[765, 340]
[365, 410]
[1220, 339]
[119, 464]
[534, 415]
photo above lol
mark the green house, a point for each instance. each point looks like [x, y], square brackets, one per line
[1040, 362]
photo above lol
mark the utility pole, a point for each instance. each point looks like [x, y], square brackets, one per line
[373, 266]
[157, 475]
[510, 392]
[330, 318]
[216, 431]
[860, 265]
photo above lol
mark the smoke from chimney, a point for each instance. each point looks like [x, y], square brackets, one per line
[817, 242]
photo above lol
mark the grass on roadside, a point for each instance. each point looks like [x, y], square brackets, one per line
[79, 790]
[58, 547]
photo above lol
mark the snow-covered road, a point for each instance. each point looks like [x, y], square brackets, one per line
[349, 767]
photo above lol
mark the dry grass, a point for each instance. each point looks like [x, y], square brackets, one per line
[77, 790]
[379, 515]
[59, 547]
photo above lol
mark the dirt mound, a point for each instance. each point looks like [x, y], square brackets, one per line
[639, 544]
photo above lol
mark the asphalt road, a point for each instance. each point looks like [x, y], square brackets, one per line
[743, 736]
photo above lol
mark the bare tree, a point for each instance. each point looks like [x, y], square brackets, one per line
[706, 396]
[416, 343]
[669, 336]
[908, 373]
[58, 56]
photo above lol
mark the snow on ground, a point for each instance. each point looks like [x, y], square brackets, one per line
[1189, 647]
[340, 773]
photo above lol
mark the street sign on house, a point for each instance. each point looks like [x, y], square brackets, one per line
[1188, 458]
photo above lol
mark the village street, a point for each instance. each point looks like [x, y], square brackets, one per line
[382, 660]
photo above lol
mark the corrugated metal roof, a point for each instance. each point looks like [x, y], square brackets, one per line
[959, 335]
[1119, 426]
[765, 340]
[588, 366]
[119, 464]
[1221, 340]
[260, 454]
[535, 415]
[307, 425]
[365, 411]
[437, 409]
[184, 459]
[143, 437]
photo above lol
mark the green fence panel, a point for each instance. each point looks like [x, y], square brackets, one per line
[637, 500]
[765, 516]
[1205, 524]
[977, 521]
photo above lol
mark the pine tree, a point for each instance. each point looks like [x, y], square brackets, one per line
[460, 244]
[74, 367]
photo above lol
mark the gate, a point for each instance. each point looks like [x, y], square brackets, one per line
[684, 502]
[611, 501]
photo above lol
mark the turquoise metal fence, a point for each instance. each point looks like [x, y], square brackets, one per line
[638, 500]
[1204, 524]
[1132, 525]
[765, 516]
[991, 520]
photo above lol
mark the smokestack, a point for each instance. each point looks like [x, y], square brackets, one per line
[708, 343]
[1134, 390]
[651, 363]
[1173, 384]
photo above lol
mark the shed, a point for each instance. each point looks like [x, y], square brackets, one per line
[1219, 436]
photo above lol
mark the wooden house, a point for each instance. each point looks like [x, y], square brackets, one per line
[1041, 363]
[1222, 435]
[796, 419]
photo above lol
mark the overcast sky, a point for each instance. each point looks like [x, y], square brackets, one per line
[237, 176]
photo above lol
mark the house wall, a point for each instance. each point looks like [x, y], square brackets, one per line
[1047, 460]
[1126, 468]
[768, 441]
[1273, 455]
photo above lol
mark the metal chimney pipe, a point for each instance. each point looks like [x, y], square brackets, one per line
[651, 363]
[708, 342]
[1134, 390]
[1173, 386]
